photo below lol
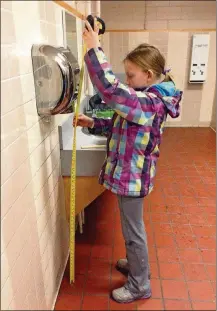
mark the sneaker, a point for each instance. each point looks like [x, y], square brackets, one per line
[123, 295]
[123, 267]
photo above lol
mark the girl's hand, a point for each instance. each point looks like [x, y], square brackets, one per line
[90, 36]
[83, 121]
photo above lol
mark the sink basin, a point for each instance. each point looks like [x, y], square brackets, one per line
[94, 139]
[90, 153]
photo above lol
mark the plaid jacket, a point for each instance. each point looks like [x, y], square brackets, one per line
[134, 132]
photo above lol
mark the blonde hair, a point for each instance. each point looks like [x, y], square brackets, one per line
[148, 57]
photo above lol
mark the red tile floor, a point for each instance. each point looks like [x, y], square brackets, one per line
[180, 221]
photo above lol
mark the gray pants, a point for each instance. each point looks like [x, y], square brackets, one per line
[131, 211]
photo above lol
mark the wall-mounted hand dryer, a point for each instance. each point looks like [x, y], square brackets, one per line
[199, 58]
[56, 76]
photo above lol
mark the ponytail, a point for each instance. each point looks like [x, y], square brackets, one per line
[168, 76]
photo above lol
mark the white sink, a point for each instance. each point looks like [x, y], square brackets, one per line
[85, 141]
[94, 139]
[91, 150]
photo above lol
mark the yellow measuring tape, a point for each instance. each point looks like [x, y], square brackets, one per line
[73, 172]
[73, 177]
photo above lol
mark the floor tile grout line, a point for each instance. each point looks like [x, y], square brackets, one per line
[184, 277]
[182, 265]
[204, 264]
[113, 245]
[196, 197]
[200, 175]
[205, 268]
[158, 265]
[182, 269]
[86, 277]
[172, 224]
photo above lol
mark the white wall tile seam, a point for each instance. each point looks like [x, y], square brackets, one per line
[52, 243]
[5, 252]
[17, 167]
[33, 279]
[45, 246]
[45, 12]
[18, 196]
[60, 280]
[49, 196]
[46, 157]
[49, 23]
[47, 179]
[44, 20]
[18, 76]
[12, 78]
[7, 45]
[23, 132]
[27, 186]
[9, 274]
[47, 135]
[38, 121]
[11, 271]
[23, 275]
[6, 10]
[46, 203]
[54, 189]
[40, 234]
[42, 231]
[27, 158]
[2, 116]
[46, 289]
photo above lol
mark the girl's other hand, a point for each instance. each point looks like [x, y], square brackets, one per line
[83, 121]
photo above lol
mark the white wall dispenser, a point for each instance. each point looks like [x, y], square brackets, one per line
[199, 58]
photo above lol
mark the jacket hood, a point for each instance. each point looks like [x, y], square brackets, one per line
[170, 95]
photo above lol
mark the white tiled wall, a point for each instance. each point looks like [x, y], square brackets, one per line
[33, 226]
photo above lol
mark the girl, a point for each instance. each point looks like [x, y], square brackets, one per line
[134, 135]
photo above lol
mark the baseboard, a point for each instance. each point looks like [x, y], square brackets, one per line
[58, 288]
[188, 125]
[213, 129]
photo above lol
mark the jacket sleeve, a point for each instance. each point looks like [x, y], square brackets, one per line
[101, 126]
[138, 107]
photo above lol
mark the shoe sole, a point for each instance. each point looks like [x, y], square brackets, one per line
[125, 271]
[133, 299]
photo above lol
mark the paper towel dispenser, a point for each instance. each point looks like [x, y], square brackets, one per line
[56, 76]
[199, 58]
